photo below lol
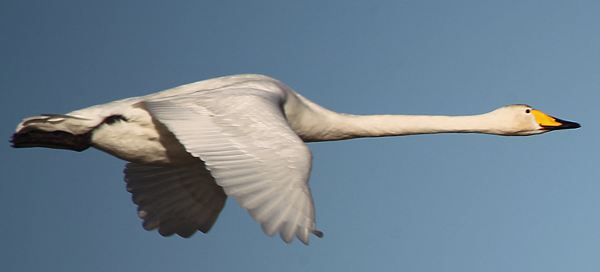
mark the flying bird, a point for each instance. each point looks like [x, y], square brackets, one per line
[190, 147]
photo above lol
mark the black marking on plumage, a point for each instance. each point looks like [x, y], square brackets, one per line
[113, 119]
[52, 139]
[59, 139]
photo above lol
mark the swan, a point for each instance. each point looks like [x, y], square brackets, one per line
[188, 148]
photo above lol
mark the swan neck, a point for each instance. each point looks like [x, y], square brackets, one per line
[314, 123]
[399, 125]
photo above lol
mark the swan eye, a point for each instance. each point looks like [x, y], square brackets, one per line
[528, 111]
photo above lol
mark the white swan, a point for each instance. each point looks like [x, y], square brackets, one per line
[243, 136]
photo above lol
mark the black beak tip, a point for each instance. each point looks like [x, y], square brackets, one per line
[565, 125]
[569, 124]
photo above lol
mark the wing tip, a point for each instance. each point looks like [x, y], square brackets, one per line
[317, 233]
[302, 238]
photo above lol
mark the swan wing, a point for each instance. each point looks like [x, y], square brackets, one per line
[175, 199]
[247, 145]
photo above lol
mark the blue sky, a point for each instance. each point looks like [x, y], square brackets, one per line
[418, 203]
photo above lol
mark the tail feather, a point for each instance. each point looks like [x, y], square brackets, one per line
[51, 139]
[53, 131]
[63, 122]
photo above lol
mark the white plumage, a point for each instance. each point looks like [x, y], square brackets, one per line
[242, 136]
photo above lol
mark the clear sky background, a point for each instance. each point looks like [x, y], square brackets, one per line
[418, 203]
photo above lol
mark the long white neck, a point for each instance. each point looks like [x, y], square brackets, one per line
[355, 126]
[314, 123]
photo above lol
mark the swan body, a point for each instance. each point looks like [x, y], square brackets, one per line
[190, 147]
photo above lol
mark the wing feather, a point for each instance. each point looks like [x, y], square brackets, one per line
[250, 150]
[176, 199]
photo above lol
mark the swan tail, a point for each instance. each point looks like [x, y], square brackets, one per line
[57, 131]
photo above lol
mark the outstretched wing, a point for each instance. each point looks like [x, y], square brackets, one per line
[245, 141]
[178, 199]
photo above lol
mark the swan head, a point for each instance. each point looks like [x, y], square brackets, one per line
[524, 120]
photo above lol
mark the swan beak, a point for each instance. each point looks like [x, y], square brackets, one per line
[548, 122]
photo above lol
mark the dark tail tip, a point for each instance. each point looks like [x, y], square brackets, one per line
[51, 139]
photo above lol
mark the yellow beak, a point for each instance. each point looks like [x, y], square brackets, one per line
[551, 123]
